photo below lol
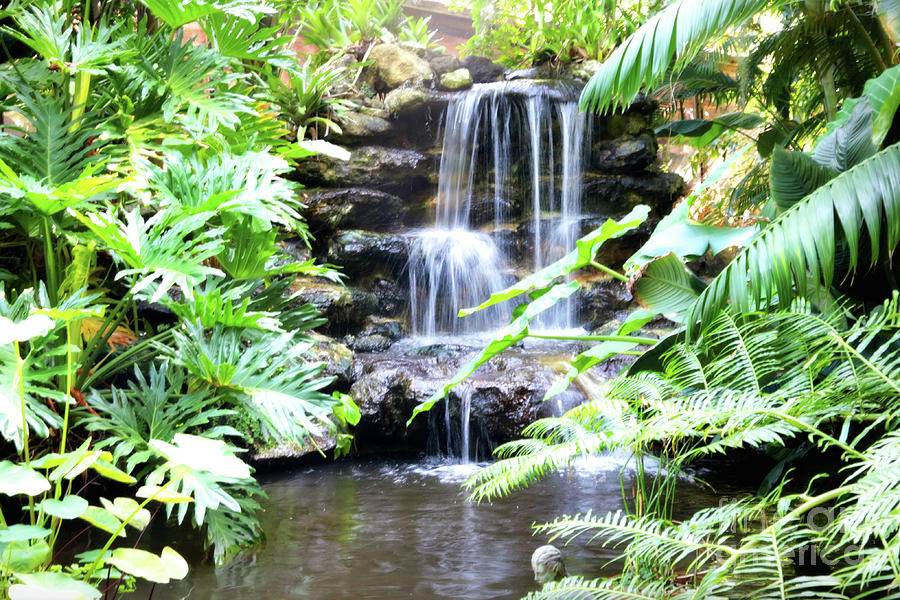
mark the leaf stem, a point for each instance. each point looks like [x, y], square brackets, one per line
[608, 271]
[644, 341]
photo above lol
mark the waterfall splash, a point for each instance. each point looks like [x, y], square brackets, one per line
[508, 149]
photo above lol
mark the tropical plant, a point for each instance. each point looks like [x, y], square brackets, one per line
[148, 170]
[520, 32]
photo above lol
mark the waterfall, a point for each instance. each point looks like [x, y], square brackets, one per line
[508, 148]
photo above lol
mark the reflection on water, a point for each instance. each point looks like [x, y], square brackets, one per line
[381, 531]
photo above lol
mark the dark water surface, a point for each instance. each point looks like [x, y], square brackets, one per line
[390, 530]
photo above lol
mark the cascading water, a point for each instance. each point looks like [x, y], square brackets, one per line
[505, 145]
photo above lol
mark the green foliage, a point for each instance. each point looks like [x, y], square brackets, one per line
[523, 32]
[150, 167]
[338, 24]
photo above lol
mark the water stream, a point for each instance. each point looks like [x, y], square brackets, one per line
[394, 530]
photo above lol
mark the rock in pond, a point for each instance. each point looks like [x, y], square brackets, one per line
[627, 154]
[345, 308]
[353, 208]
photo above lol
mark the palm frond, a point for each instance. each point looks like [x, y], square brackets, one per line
[804, 239]
[671, 38]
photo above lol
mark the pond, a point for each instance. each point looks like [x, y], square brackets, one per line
[384, 530]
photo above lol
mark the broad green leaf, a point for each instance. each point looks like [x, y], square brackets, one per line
[103, 519]
[166, 495]
[665, 286]
[203, 454]
[24, 557]
[306, 148]
[49, 585]
[802, 240]
[678, 234]
[347, 411]
[176, 566]
[849, 144]
[794, 176]
[70, 507]
[580, 257]
[106, 469]
[140, 563]
[16, 479]
[128, 511]
[22, 331]
[22, 533]
[883, 93]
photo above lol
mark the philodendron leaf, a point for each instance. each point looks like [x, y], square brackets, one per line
[128, 511]
[176, 566]
[24, 330]
[70, 507]
[103, 519]
[22, 533]
[579, 258]
[24, 556]
[202, 454]
[16, 479]
[149, 566]
[665, 286]
[57, 586]
[306, 148]
[166, 495]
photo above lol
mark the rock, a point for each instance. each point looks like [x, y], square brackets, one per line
[605, 194]
[406, 99]
[443, 63]
[484, 206]
[359, 127]
[264, 455]
[393, 297]
[377, 335]
[456, 80]
[539, 72]
[395, 66]
[345, 308]
[483, 69]
[366, 253]
[345, 83]
[613, 253]
[372, 342]
[628, 154]
[601, 300]
[328, 210]
[585, 70]
[394, 170]
[338, 358]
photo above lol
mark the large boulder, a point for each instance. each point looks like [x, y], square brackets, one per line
[366, 253]
[406, 99]
[395, 66]
[328, 210]
[482, 69]
[395, 170]
[609, 194]
[626, 154]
